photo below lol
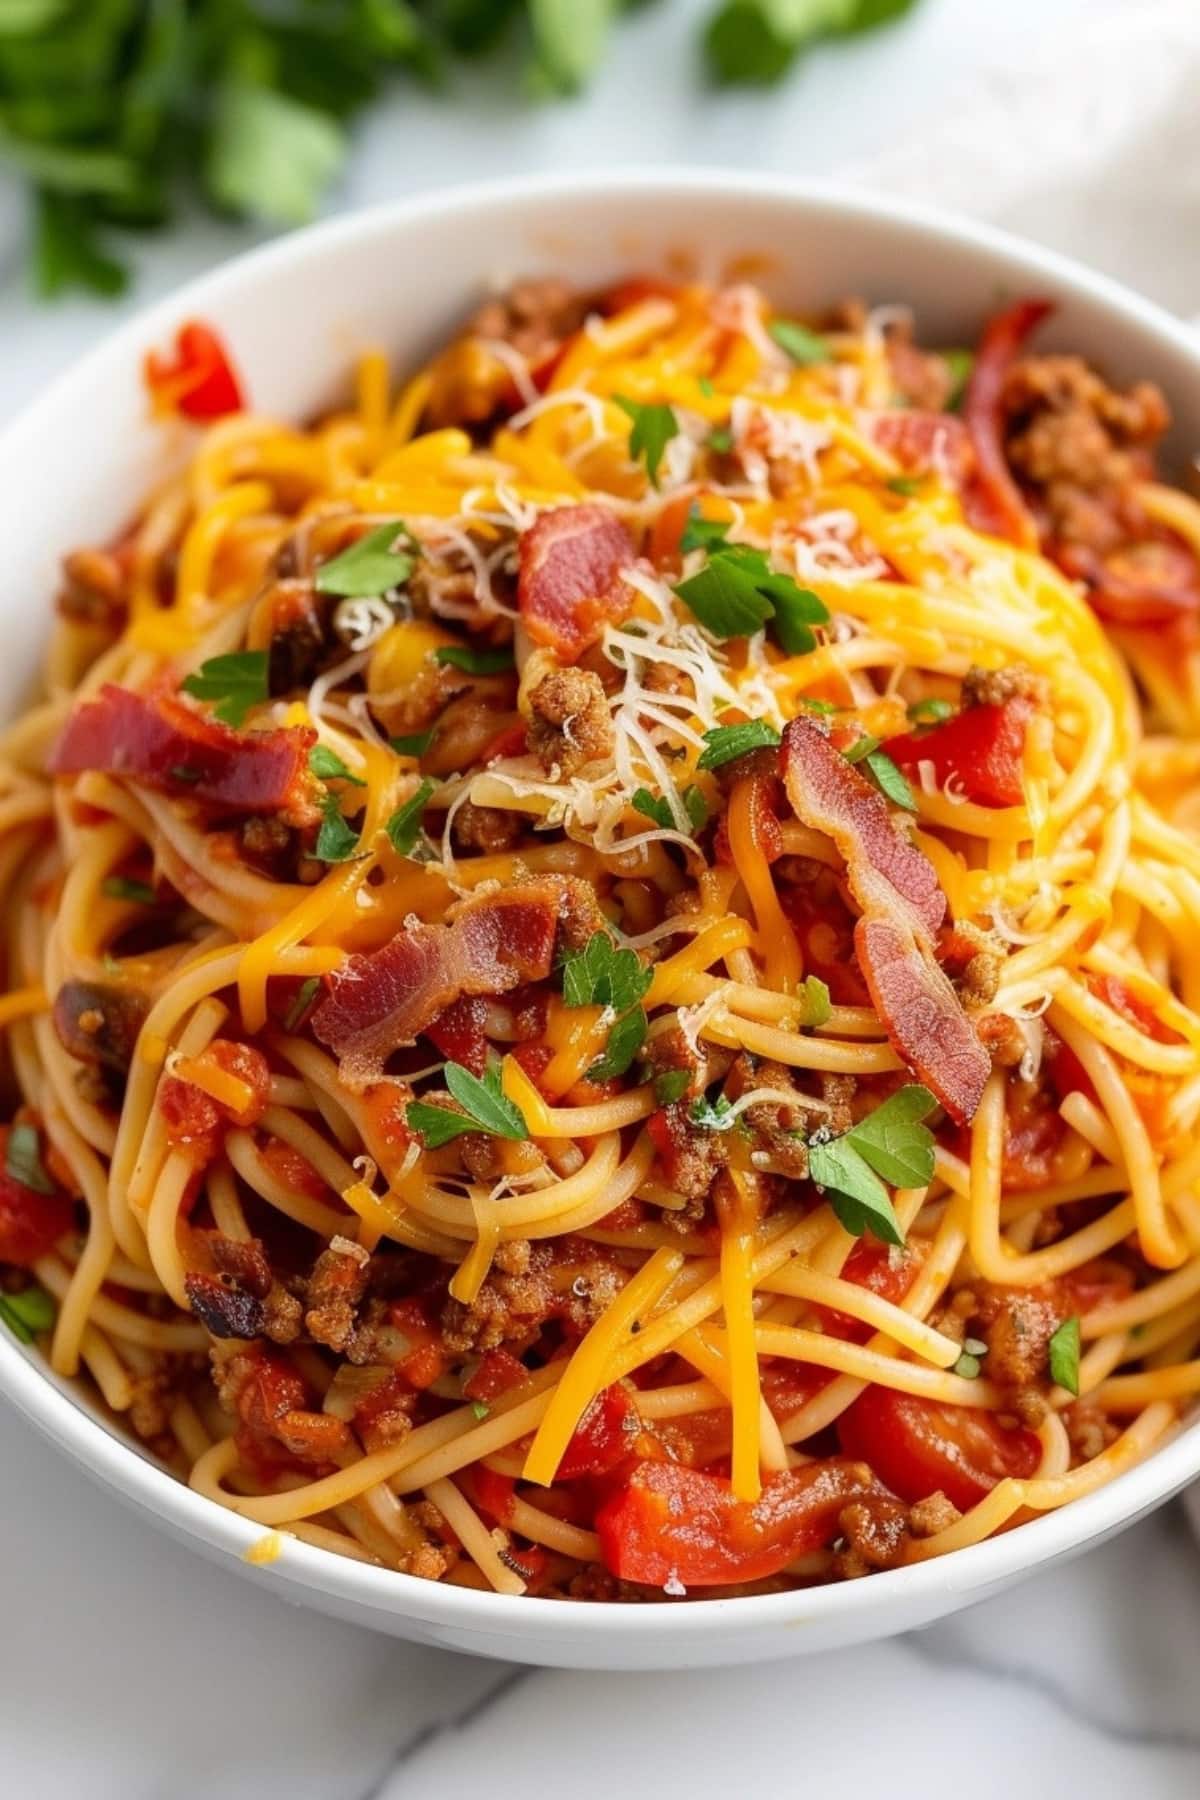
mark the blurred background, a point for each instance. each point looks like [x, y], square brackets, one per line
[142, 141]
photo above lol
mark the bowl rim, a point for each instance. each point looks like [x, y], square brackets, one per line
[118, 1464]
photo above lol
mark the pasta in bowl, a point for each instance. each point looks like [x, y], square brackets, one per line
[598, 978]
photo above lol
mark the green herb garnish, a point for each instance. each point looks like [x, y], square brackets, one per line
[306, 993]
[797, 341]
[712, 1115]
[861, 747]
[415, 745]
[703, 534]
[736, 593]
[905, 485]
[602, 975]
[961, 366]
[672, 1085]
[23, 1159]
[232, 684]
[929, 711]
[624, 1041]
[756, 42]
[327, 765]
[369, 567]
[888, 779]
[404, 826]
[120, 887]
[474, 662]
[658, 808]
[337, 842]
[653, 428]
[725, 743]
[486, 1107]
[814, 1001]
[27, 1313]
[891, 1143]
[1064, 1356]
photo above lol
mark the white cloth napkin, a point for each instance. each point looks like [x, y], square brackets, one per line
[1089, 141]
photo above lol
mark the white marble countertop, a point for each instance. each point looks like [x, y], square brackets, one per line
[133, 1669]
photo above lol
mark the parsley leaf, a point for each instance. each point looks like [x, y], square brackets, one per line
[890, 782]
[337, 842]
[712, 1115]
[475, 662]
[416, 745]
[1064, 1356]
[658, 808]
[858, 1197]
[703, 534]
[404, 826]
[797, 341]
[66, 253]
[720, 439]
[961, 365]
[233, 683]
[905, 485]
[602, 975]
[306, 993]
[725, 743]
[862, 746]
[736, 593]
[653, 428]
[757, 41]
[624, 1041]
[23, 1159]
[814, 999]
[270, 156]
[369, 567]
[486, 1107]
[929, 711]
[672, 1085]
[893, 1139]
[120, 887]
[327, 765]
[27, 1313]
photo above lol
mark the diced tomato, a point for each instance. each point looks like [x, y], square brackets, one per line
[498, 1371]
[512, 741]
[825, 932]
[194, 1118]
[1101, 1282]
[1118, 995]
[1151, 1092]
[603, 1437]
[31, 1223]
[995, 502]
[425, 1357]
[459, 1032]
[670, 1523]
[295, 1171]
[493, 1493]
[980, 751]
[198, 379]
[918, 1447]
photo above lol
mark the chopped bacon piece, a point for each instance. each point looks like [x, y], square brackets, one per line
[996, 501]
[902, 905]
[828, 793]
[378, 1002]
[1147, 583]
[570, 583]
[199, 380]
[223, 1308]
[922, 1015]
[498, 1371]
[165, 744]
[981, 750]
[603, 1437]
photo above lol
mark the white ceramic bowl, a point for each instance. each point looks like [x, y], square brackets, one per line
[294, 314]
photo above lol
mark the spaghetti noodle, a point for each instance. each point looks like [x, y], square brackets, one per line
[601, 980]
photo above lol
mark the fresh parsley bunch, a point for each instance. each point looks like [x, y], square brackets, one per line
[115, 110]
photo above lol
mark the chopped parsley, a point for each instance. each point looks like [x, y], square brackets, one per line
[602, 975]
[475, 662]
[232, 684]
[861, 747]
[327, 765]
[960, 365]
[306, 993]
[906, 485]
[120, 887]
[658, 808]
[672, 1085]
[929, 711]
[27, 1313]
[23, 1158]
[480, 1408]
[415, 745]
[337, 842]
[736, 593]
[486, 1107]
[968, 1365]
[888, 779]
[624, 1041]
[703, 534]
[890, 1144]
[814, 1000]
[1064, 1356]
[712, 1115]
[720, 439]
[369, 567]
[805, 347]
[653, 428]
[725, 743]
[404, 826]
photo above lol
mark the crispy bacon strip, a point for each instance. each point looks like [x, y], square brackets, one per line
[922, 1015]
[903, 908]
[830, 796]
[997, 505]
[924, 441]
[163, 743]
[569, 578]
[378, 1002]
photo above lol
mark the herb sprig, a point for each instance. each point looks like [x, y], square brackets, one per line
[486, 1107]
[889, 1145]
